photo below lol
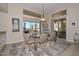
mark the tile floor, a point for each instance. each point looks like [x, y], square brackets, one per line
[19, 49]
[73, 50]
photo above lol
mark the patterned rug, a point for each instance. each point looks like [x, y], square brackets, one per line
[19, 49]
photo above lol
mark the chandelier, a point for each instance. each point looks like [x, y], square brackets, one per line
[43, 14]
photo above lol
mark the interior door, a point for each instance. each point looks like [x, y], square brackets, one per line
[60, 28]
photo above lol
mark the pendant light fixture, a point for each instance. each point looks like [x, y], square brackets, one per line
[43, 14]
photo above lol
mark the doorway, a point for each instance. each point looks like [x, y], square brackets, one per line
[60, 28]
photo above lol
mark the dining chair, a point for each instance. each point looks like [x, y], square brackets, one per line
[42, 40]
[52, 38]
[28, 41]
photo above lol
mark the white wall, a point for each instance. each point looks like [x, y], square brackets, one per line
[14, 11]
[72, 14]
[3, 18]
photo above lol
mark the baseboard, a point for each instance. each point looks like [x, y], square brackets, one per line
[14, 42]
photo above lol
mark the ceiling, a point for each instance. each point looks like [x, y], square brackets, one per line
[48, 7]
[37, 7]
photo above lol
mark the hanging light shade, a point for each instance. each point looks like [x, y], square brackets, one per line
[42, 15]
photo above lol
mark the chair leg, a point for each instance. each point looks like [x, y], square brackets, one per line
[43, 45]
[39, 46]
[29, 47]
[50, 43]
[54, 43]
[26, 46]
[46, 43]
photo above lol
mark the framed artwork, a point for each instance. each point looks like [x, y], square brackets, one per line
[74, 23]
[15, 25]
